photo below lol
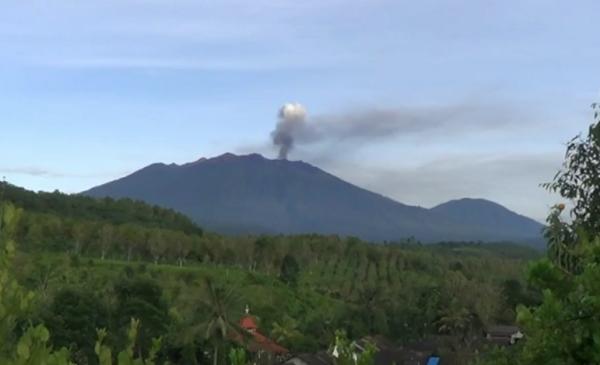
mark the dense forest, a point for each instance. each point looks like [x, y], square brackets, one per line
[302, 288]
[87, 281]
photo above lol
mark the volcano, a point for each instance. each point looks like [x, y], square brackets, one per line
[250, 194]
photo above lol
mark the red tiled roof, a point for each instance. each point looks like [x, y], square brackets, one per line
[253, 340]
[248, 323]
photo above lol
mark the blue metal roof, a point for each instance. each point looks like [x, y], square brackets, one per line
[433, 361]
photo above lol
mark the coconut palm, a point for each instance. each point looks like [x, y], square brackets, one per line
[456, 320]
[217, 304]
[286, 330]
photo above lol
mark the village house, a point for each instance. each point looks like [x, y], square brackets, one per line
[504, 335]
[266, 350]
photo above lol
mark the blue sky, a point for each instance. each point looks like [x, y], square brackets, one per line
[93, 90]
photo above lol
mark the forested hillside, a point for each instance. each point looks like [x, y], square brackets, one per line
[91, 263]
[106, 210]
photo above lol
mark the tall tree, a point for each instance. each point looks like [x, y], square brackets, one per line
[218, 304]
[157, 244]
[130, 238]
[580, 176]
[290, 270]
[183, 245]
[105, 239]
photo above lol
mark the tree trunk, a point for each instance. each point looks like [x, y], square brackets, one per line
[216, 355]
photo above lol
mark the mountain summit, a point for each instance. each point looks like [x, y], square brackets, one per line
[252, 194]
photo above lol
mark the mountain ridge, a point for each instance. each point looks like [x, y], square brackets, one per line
[252, 194]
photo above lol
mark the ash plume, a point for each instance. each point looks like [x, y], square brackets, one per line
[291, 122]
[354, 127]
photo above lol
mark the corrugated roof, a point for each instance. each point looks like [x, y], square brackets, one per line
[433, 361]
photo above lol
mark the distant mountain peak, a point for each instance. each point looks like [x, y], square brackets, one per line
[233, 157]
[249, 193]
[228, 156]
[469, 202]
[225, 157]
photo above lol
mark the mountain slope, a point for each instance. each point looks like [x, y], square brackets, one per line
[252, 194]
[485, 213]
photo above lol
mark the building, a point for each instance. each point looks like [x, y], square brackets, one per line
[266, 350]
[504, 335]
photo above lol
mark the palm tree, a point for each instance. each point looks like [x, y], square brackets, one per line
[455, 320]
[218, 303]
[286, 330]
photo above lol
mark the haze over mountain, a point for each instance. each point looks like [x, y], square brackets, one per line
[252, 194]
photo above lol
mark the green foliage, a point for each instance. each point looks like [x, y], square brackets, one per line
[103, 352]
[285, 331]
[565, 328]
[290, 270]
[14, 301]
[301, 288]
[31, 348]
[107, 210]
[217, 307]
[141, 299]
[237, 356]
[579, 179]
[345, 353]
[72, 318]
[127, 356]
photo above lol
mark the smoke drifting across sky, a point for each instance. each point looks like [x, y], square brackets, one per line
[352, 127]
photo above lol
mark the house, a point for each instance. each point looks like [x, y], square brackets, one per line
[504, 335]
[266, 350]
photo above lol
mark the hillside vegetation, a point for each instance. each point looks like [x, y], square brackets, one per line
[88, 261]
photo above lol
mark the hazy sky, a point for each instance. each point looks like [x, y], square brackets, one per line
[446, 99]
